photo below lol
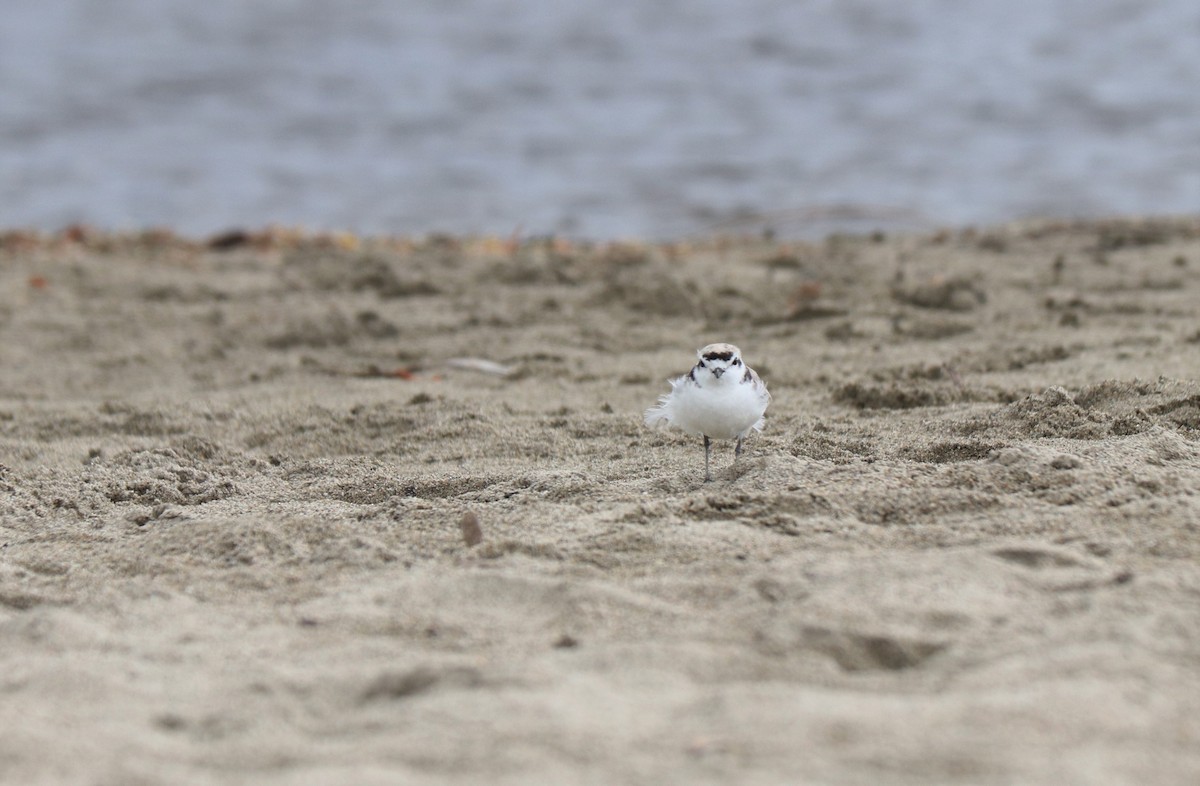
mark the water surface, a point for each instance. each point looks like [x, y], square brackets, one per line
[602, 119]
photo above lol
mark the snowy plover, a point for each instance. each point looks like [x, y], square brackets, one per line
[720, 398]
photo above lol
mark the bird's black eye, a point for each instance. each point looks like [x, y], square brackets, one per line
[737, 361]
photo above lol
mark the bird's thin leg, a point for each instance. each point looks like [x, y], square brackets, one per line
[707, 474]
[738, 450]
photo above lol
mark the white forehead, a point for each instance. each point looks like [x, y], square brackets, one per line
[720, 349]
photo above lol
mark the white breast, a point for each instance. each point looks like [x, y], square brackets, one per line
[721, 409]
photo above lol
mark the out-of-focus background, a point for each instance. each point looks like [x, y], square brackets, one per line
[597, 118]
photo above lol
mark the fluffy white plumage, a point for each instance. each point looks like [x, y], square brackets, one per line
[720, 398]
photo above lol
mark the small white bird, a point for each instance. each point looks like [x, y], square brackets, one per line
[720, 398]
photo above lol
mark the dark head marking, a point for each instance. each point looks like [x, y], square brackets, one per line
[718, 356]
[747, 377]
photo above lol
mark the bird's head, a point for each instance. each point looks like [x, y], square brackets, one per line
[717, 359]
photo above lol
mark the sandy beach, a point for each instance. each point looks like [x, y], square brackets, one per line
[234, 475]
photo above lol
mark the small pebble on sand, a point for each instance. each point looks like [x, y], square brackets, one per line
[471, 532]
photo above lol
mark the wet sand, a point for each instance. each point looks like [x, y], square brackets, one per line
[234, 476]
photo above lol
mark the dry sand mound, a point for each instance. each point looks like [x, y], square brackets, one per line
[232, 477]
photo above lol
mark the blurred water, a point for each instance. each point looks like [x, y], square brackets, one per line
[597, 118]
